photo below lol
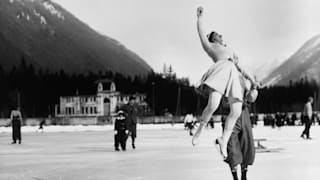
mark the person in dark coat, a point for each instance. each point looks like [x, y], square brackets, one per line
[278, 119]
[315, 118]
[120, 131]
[41, 124]
[307, 116]
[293, 119]
[189, 122]
[131, 110]
[241, 150]
[16, 122]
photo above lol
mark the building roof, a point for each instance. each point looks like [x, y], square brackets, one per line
[80, 96]
[104, 81]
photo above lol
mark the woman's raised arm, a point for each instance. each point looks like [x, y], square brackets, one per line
[203, 38]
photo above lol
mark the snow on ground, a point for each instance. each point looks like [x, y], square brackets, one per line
[163, 152]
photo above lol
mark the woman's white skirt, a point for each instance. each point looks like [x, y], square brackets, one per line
[224, 78]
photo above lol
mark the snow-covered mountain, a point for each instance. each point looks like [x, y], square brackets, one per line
[50, 37]
[262, 71]
[305, 63]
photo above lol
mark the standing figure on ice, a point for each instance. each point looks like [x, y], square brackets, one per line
[41, 124]
[189, 123]
[224, 78]
[132, 111]
[307, 117]
[241, 150]
[16, 122]
[120, 131]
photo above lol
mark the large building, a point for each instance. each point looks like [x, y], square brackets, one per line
[104, 103]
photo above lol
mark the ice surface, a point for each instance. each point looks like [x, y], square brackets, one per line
[163, 152]
[87, 128]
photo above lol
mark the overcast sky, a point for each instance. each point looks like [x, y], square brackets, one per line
[164, 31]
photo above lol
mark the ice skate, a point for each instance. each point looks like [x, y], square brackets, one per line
[219, 147]
[195, 138]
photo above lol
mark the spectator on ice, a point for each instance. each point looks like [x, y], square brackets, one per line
[16, 122]
[189, 122]
[120, 131]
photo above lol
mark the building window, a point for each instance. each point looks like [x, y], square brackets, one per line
[69, 110]
[95, 110]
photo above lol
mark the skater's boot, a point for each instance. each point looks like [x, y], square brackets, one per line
[244, 174]
[133, 142]
[195, 138]
[224, 141]
[235, 175]
[13, 142]
[234, 172]
[221, 148]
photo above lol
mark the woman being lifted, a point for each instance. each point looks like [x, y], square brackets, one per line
[224, 78]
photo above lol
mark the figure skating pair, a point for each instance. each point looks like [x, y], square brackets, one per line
[224, 78]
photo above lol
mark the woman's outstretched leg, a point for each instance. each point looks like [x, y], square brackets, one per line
[235, 112]
[213, 103]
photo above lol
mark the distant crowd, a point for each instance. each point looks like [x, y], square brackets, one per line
[278, 119]
[289, 119]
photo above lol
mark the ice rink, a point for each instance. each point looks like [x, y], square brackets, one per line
[163, 153]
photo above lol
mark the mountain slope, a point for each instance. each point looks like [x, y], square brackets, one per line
[264, 70]
[305, 63]
[50, 37]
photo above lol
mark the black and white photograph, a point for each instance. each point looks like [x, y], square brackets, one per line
[159, 89]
